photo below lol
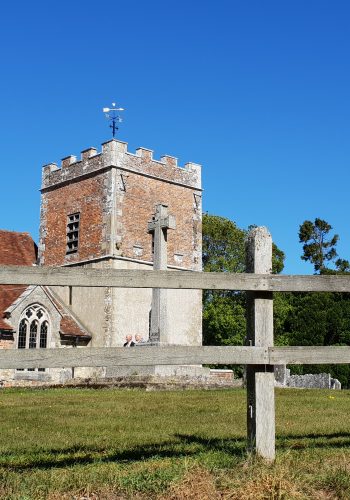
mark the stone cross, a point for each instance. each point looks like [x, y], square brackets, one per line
[158, 226]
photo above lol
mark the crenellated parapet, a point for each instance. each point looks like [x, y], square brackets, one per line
[115, 154]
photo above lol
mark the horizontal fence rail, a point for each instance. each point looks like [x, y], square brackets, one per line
[306, 355]
[121, 278]
[174, 355]
[259, 356]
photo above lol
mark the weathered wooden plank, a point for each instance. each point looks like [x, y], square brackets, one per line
[306, 355]
[124, 278]
[177, 355]
[137, 356]
[265, 414]
[260, 379]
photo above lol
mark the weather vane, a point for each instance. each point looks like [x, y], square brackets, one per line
[113, 117]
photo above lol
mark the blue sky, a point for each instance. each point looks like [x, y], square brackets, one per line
[256, 91]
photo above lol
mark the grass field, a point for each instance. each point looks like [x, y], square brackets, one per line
[118, 444]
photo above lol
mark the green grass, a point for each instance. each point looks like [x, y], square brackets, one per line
[75, 443]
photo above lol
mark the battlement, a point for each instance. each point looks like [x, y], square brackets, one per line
[115, 154]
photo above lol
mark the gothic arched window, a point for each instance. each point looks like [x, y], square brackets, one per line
[33, 329]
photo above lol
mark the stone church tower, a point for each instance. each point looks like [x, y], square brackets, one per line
[120, 210]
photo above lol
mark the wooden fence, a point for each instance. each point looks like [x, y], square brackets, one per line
[260, 355]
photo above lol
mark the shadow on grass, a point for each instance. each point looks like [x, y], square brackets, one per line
[183, 445]
[314, 440]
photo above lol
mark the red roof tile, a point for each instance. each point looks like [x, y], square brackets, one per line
[8, 294]
[71, 328]
[16, 249]
[19, 249]
[69, 325]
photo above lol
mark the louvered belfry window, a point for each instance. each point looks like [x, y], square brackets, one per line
[73, 222]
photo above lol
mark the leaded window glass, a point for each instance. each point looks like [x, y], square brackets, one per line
[43, 334]
[33, 330]
[33, 334]
[22, 334]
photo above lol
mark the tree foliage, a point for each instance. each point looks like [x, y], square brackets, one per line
[223, 311]
[319, 246]
[321, 319]
[342, 266]
[223, 245]
[278, 257]
[299, 318]
[224, 320]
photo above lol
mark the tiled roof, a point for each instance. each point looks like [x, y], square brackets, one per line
[8, 294]
[19, 249]
[69, 325]
[16, 249]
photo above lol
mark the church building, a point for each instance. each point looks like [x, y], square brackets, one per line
[33, 317]
[113, 210]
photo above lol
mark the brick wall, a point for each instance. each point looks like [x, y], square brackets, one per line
[88, 197]
[6, 343]
[135, 207]
[116, 193]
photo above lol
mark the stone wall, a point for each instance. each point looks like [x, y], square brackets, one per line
[283, 378]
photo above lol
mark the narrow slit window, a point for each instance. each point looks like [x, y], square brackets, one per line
[73, 222]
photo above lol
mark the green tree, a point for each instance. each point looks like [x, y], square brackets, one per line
[342, 266]
[319, 246]
[224, 251]
[278, 257]
[223, 311]
[314, 319]
[224, 320]
[223, 245]
[282, 309]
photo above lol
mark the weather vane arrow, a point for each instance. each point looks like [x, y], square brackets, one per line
[113, 116]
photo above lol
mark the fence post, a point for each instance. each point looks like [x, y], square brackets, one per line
[260, 378]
